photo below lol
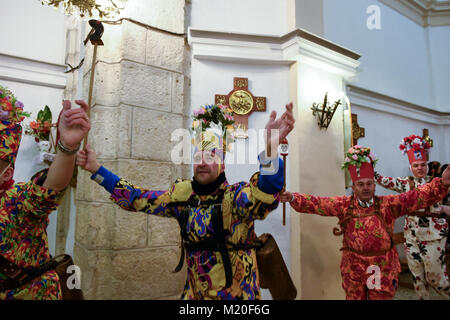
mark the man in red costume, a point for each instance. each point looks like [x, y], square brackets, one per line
[370, 264]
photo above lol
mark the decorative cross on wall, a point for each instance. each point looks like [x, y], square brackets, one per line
[357, 131]
[426, 136]
[243, 103]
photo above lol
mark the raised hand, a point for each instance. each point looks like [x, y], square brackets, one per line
[282, 125]
[87, 159]
[73, 124]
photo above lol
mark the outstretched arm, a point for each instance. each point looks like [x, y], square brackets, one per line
[123, 193]
[421, 197]
[396, 184]
[324, 206]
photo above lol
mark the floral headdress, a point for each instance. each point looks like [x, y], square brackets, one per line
[11, 109]
[11, 114]
[213, 118]
[413, 142]
[358, 155]
[416, 147]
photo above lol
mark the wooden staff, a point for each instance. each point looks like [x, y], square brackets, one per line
[284, 146]
[91, 87]
[94, 37]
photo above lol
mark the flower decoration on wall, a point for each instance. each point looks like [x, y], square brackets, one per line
[11, 109]
[104, 8]
[413, 142]
[215, 116]
[357, 155]
[41, 130]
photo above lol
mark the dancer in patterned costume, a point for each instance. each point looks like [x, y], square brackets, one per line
[367, 224]
[425, 230]
[215, 270]
[25, 206]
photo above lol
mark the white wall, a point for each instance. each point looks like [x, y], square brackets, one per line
[439, 40]
[394, 59]
[268, 17]
[32, 31]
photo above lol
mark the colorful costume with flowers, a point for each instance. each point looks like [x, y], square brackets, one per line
[24, 210]
[206, 213]
[425, 231]
[367, 228]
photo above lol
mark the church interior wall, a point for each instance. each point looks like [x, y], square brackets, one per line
[440, 66]
[394, 59]
[36, 32]
[266, 17]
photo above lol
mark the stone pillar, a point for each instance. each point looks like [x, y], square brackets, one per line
[140, 96]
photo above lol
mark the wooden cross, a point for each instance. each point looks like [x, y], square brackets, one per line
[243, 103]
[357, 131]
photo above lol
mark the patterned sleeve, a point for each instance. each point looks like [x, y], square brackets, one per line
[33, 199]
[324, 206]
[132, 198]
[271, 177]
[396, 184]
[251, 202]
[419, 198]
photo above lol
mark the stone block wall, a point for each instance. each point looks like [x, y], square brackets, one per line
[140, 96]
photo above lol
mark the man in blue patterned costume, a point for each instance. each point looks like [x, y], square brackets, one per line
[216, 219]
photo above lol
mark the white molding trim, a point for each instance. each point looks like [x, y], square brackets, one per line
[296, 46]
[35, 72]
[423, 12]
[369, 99]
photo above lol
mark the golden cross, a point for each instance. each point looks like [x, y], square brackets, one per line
[243, 103]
